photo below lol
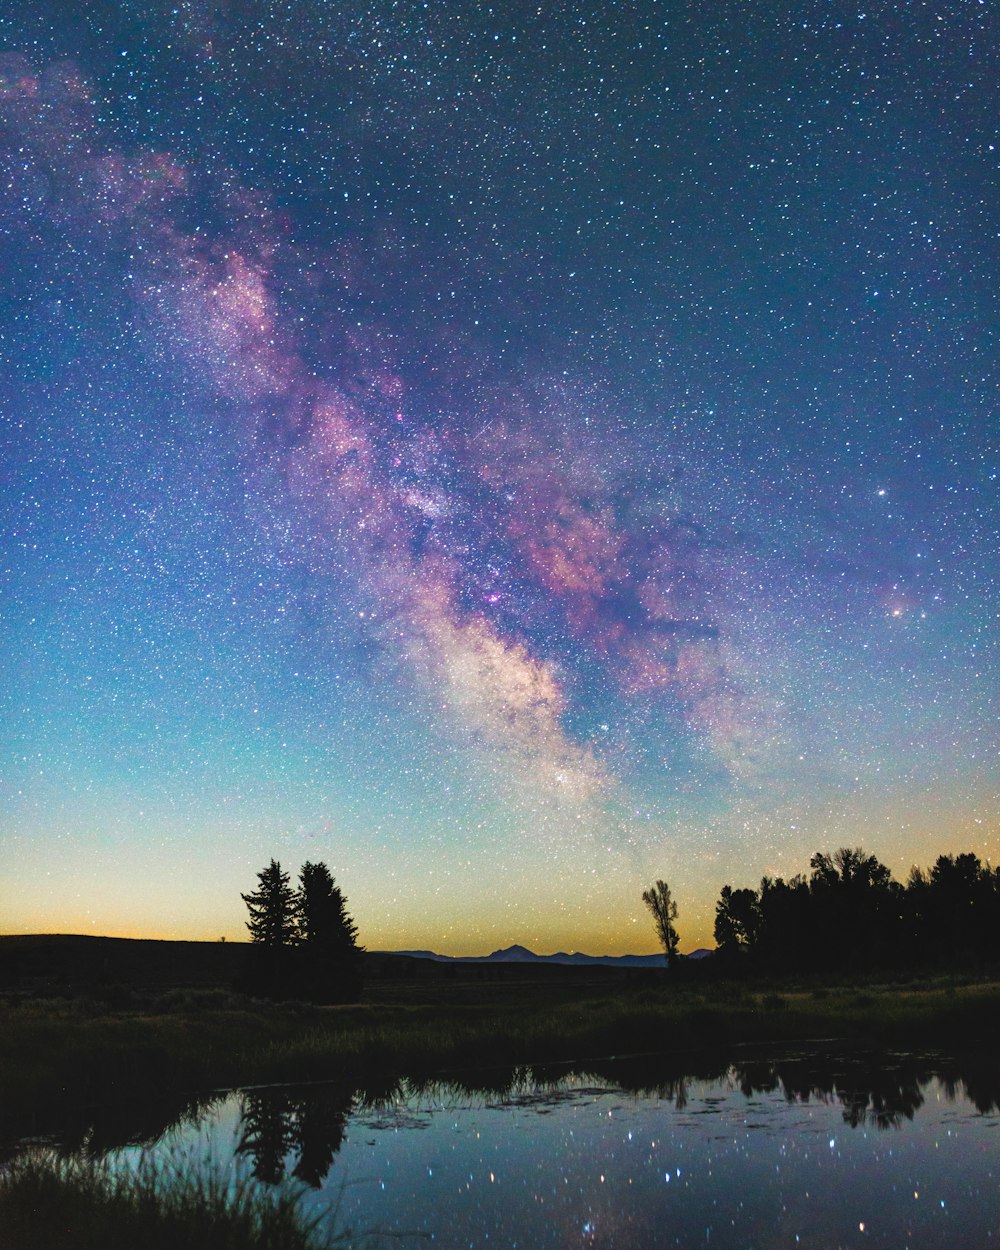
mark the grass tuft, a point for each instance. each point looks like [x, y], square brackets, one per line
[54, 1202]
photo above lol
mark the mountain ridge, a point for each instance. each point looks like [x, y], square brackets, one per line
[521, 954]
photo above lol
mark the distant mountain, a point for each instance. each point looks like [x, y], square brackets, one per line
[521, 955]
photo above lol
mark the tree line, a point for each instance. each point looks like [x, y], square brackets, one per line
[849, 913]
[303, 940]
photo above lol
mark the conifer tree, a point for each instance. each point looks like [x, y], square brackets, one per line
[324, 924]
[274, 909]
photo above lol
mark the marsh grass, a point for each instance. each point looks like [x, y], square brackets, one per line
[54, 1202]
[51, 1054]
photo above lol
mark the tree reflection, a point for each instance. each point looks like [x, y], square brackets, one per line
[876, 1090]
[975, 1078]
[666, 1079]
[299, 1130]
[266, 1134]
[319, 1125]
[309, 1123]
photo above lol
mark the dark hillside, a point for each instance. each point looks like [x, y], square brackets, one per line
[57, 963]
[42, 965]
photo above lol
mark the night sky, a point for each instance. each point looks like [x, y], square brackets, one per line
[509, 453]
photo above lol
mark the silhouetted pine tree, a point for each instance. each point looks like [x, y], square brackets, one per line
[273, 908]
[328, 935]
[271, 967]
[324, 923]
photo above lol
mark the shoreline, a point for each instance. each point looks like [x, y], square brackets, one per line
[57, 1054]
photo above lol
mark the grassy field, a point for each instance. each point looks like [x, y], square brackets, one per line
[124, 1042]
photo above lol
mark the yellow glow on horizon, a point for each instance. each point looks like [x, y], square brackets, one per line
[579, 892]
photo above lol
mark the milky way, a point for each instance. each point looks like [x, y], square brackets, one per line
[510, 458]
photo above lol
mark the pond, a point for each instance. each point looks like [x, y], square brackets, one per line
[807, 1149]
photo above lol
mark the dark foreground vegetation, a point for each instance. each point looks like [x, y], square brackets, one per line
[55, 1202]
[97, 1040]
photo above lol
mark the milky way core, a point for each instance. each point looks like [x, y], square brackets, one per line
[509, 455]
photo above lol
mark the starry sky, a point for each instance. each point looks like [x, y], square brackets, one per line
[511, 453]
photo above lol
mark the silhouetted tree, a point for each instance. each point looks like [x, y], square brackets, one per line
[664, 912]
[303, 942]
[961, 906]
[329, 957]
[737, 919]
[854, 909]
[850, 914]
[271, 968]
[915, 938]
[322, 912]
[784, 938]
[273, 908]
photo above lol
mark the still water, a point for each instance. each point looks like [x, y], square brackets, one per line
[807, 1150]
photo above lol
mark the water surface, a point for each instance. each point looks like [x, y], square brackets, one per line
[807, 1150]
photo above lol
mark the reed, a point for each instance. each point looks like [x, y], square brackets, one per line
[54, 1202]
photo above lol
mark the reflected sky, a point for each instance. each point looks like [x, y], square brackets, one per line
[756, 1157]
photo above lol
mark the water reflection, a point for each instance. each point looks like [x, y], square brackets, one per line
[878, 1092]
[298, 1130]
[309, 1126]
[765, 1151]
[797, 1148]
